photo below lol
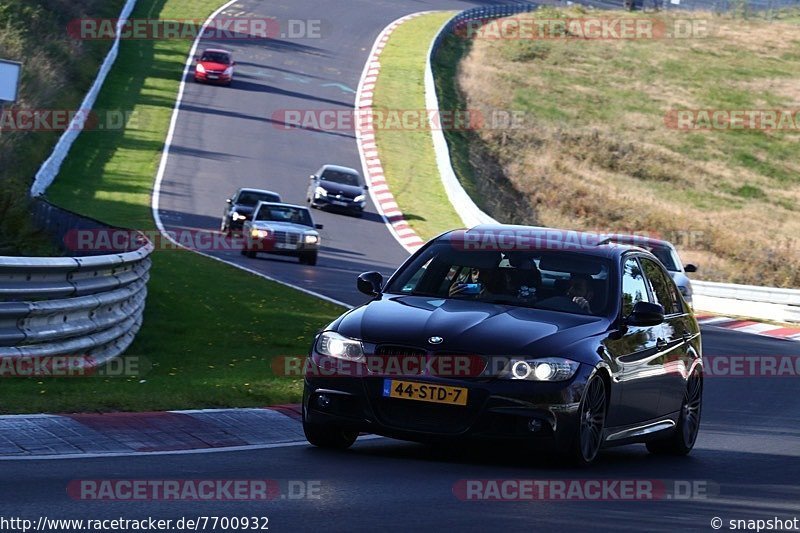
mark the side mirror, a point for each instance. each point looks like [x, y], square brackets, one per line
[690, 268]
[318, 226]
[229, 200]
[646, 314]
[366, 187]
[233, 63]
[312, 177]
[370, 283]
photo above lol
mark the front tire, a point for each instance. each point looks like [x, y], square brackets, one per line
[309, 259]
[592, 413]
[683, 438]
[329, 437]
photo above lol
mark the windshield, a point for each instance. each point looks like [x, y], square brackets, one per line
[666, 256]
[285, 213]
[216, 57]
[250, 198]
[557, 281]
[345, 178]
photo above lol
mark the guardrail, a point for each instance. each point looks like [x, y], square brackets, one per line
[88, 306]
[50, 168]
[771, 303]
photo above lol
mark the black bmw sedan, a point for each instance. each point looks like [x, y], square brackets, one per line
[571, 347]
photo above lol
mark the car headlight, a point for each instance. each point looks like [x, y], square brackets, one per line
[359, 198]
[549, 369]
[259, 233]
[320, 191]
[228, 71]
[311, 239]
[332, 344]
[200, 68]
[237, 216]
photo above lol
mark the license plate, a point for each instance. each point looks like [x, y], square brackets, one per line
[338, 202]
[285, 246]
[424, 392]
[213, 77]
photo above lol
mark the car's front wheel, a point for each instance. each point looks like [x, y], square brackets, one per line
[224, 227]
[309, 259]
[330, 437]
[592, 413]
[248, 253]
[683, 438]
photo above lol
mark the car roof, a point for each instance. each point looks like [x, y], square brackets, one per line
[219, 50]
[339, 168]
[595, 245]
[638, 240]
[260, 191]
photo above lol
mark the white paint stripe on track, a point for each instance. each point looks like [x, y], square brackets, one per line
[249, 447]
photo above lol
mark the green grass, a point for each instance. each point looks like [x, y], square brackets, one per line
[210, 330]
[407, 156]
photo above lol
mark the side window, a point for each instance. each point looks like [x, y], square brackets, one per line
[634, 288]
[663, 288]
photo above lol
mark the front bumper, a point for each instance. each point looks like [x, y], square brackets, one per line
[272, 246]
[545, 414]
[220, 78]
[340, 204]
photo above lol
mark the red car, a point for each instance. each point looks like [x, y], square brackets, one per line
[215, 66]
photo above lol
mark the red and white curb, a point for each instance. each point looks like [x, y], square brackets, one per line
[379, 191]
[750, 326]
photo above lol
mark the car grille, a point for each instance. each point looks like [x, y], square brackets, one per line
[398, 361]
[286, 237]
[388, 349]
[471, 369]
[342, 197]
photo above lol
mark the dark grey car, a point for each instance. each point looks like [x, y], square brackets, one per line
[240, 206]
[337, 188]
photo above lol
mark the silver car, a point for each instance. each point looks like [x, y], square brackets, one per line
[666, 253]
[284, 229]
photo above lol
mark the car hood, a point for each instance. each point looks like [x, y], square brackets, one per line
[283, 226]
[243, 209]
[211, 65]
[467, 326]
[350, 191]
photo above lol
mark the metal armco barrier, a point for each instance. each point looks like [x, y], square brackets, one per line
[83, 306]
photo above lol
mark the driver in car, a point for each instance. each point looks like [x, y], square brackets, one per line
[580, 291]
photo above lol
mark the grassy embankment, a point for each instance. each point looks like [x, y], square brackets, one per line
[598, 150]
